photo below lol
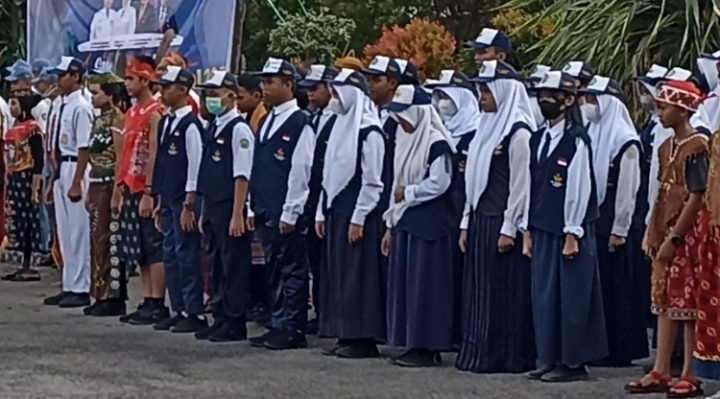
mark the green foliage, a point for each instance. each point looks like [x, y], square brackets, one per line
[311, 37]
[622, 38]
[12, 30]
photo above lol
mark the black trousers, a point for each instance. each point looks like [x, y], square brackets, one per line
[287, 263]
[315, 257]
[231, 260]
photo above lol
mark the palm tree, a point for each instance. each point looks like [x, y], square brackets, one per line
[622, 38]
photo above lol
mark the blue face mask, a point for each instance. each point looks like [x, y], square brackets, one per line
[214, 105]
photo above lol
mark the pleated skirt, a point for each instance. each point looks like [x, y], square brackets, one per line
[354, 281]
[497, 324]
[625, 300]
[421, 292]
[567, 301]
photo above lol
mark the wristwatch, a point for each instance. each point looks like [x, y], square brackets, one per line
[189, 207]
[677, 240]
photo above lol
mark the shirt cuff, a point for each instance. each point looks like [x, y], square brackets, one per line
[191, 186]
[508, 229]
[464, 222]
[574, 230]
[410, 194]
[250, 212]
[620, 231]
[289, 218]
[358, 218]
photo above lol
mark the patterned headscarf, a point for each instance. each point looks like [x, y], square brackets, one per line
[681, 94]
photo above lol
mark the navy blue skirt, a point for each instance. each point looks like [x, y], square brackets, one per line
[421, 292]
[354, 281]
[567, 301]
[625, 299]
[497, 324]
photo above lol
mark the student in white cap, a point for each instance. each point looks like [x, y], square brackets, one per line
[497, 314]
[581, 71]
[709, 111]
[72, 140]
[531, 81]
[420, 236]
[353, 270]
[561, 220]
[491, 44]
[616, 162]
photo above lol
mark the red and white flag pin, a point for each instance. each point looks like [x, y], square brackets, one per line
[562, 162]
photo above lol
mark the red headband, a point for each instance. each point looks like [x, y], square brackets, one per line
[680, 93]
[141, 70]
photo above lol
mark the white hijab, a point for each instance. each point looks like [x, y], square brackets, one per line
[342, 147]
[513, 106]
[465, 120]
[608, 136]
[412, 152]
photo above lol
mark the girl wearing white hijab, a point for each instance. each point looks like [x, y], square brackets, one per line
[709, 111]
[419, 238]
[616, 163]
[496, 308]
[353, 270]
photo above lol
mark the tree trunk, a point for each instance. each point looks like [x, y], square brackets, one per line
[237, 63]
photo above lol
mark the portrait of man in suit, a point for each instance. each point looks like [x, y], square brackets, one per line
[147, 19]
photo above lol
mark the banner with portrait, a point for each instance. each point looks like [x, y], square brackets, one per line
[103, 33]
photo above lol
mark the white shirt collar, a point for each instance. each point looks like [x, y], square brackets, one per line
[181, 112]
[226, 117]
[284, 107]
[73, 96]
[557, 130]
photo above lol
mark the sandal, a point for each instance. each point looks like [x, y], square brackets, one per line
[659, 384]
[23, 277]
[686, 387]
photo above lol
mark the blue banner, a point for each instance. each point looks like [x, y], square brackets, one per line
[103, 32]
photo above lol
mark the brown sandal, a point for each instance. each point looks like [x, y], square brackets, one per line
[690, 387]
[660, 384]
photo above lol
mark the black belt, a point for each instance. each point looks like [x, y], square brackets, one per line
[68, 158]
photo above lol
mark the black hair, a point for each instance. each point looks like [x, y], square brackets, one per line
[27, 101]
[118, 93]
[301, 96]
[251, 83]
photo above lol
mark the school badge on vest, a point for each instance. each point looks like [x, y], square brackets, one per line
[498, 149]
[64, 139]
[173, 149]
[280, 154]
[557, 180]
[461, 166]
[216, 156]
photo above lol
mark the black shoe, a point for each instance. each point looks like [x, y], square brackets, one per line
[126, 318]
[357, 350]
[538, 373]
[205, 333]
[418, 358]
[229, 332]
[190, 324]
[313, 326]
[55, 299]
[259, 341]
[166, 324]
[566, 374]
[111, 307]
[75, 301]
[284, 339]
[87, 310]
[150, 315]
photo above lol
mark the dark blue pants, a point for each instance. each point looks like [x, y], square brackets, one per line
[181, 254]
[231, 259]
[286, 257]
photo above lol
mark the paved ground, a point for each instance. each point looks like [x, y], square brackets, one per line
[53, 353]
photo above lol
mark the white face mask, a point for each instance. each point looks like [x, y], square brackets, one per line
[647, 101]
[591, 112]
[97, 111]
[537, 112]
[334, 105]
[446, 107]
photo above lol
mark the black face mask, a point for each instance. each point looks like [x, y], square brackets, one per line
[551, 110]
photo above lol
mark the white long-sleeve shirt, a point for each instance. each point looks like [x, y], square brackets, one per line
[193, 145]
[102, 25]
[301, 162]
[519, 182]
[627, 187]
[125, 21]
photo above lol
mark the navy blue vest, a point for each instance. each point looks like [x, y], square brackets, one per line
[457, 188]
[493, 200]
[171, 163]
[607, 208]
[641, 204]
[390, 129]
[316, 175]
[431, 220]
[271, 168]
[549, 182]
[345, 202]
[216, 181]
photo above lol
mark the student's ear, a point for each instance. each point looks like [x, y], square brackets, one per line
[257, 96]
[502, 56]
[393, 83]
[570, 101]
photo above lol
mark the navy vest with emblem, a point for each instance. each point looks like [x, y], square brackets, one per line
[216, 181]
[431, 220]
[389, 129]
[607, 208]
[171, 163]
[346, 200]
[549, 182]
[316, 175]
[641, 204]
[457, 188]
[271, 168]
